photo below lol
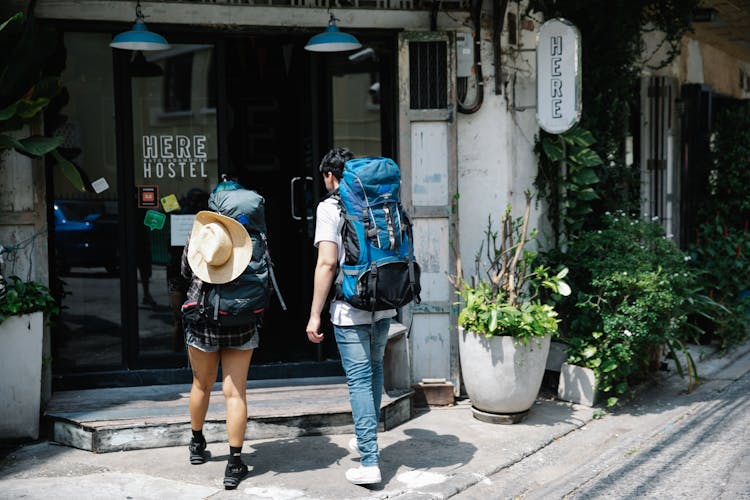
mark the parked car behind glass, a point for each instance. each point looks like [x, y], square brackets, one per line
[85, 236]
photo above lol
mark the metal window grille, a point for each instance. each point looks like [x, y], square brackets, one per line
[428, 75]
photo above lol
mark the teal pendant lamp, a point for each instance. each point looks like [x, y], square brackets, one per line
[139, 37]
[332, 40]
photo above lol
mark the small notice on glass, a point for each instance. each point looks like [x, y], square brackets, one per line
[180, 229]
[100, 185]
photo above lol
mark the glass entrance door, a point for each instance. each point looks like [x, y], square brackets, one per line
[175, 166]
[84, 238]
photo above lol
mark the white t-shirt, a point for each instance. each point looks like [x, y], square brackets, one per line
[326, 229]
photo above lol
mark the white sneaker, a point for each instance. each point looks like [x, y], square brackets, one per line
[353, 447]
[369, 474]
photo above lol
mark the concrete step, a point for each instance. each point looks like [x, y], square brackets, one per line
[126, 418]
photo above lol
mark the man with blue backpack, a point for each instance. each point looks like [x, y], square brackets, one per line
[366, 266]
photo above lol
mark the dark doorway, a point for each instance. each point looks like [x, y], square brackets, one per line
[257, 107]
[284, 108]
[269, 147]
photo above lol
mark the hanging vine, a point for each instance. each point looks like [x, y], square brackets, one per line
[567, 179]
[612, 40]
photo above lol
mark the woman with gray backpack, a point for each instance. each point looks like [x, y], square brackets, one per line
[226, 262]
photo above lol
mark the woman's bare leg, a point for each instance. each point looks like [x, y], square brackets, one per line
[205, 366]
[234, 367]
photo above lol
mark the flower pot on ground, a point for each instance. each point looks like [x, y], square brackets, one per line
[578, 385]
[506, 321]
[21, 376]
[22, 310]
[501, 376]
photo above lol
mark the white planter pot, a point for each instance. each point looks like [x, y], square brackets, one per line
[500, 375]
[21, 376]
[577, 385]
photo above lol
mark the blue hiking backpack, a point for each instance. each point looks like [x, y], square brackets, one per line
[379, 271]
[240, 302]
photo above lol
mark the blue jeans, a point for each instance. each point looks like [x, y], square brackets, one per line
[362, 348]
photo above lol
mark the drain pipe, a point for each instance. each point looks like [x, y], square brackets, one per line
[498, 11]
[476, 15]
[433, 14]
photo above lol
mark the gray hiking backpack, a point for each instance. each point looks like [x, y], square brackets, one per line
[242, 301]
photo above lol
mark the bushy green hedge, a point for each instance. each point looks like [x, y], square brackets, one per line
[632, 293]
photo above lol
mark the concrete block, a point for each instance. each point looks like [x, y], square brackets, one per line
[396, 368]
[577, 385]
[558, 353]
[434, 393]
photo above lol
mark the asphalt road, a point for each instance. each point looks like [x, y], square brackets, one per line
[694, 446]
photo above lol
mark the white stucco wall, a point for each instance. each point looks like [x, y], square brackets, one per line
[496, 160]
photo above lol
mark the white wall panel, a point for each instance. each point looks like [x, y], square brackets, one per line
[429, 163]
[431, 344]
[430, 244]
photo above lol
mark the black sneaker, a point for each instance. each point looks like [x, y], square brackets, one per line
[198, 453]
[233, 474]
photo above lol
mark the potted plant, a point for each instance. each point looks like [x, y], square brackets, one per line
[506, 321]
[23, 306]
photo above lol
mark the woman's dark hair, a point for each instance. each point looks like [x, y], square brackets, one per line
[334, 161]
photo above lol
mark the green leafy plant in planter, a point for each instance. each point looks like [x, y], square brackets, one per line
[506, 321]
[634, 293]
[517, 296]
[18, 297]
[23, 308]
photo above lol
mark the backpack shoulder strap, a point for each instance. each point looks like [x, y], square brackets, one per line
[333, 194]
[336, 195]
[409, 231]
[271, 273]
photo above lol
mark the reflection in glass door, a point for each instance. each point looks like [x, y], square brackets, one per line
[85, 272]
[175, 153]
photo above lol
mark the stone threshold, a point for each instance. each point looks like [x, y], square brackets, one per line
[127, 418]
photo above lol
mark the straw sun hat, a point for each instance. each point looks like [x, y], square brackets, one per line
[220, 248]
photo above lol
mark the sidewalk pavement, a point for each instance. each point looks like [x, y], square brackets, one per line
[441, 452]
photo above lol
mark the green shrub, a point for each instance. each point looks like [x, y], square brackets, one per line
[721, 257]
[634, 291]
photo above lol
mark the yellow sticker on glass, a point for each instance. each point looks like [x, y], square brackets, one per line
[170, 203]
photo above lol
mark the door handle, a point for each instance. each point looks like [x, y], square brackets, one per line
[292, 195]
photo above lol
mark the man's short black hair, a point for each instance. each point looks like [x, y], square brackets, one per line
[334, 161]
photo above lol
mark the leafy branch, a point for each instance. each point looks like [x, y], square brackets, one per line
[26, 91]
